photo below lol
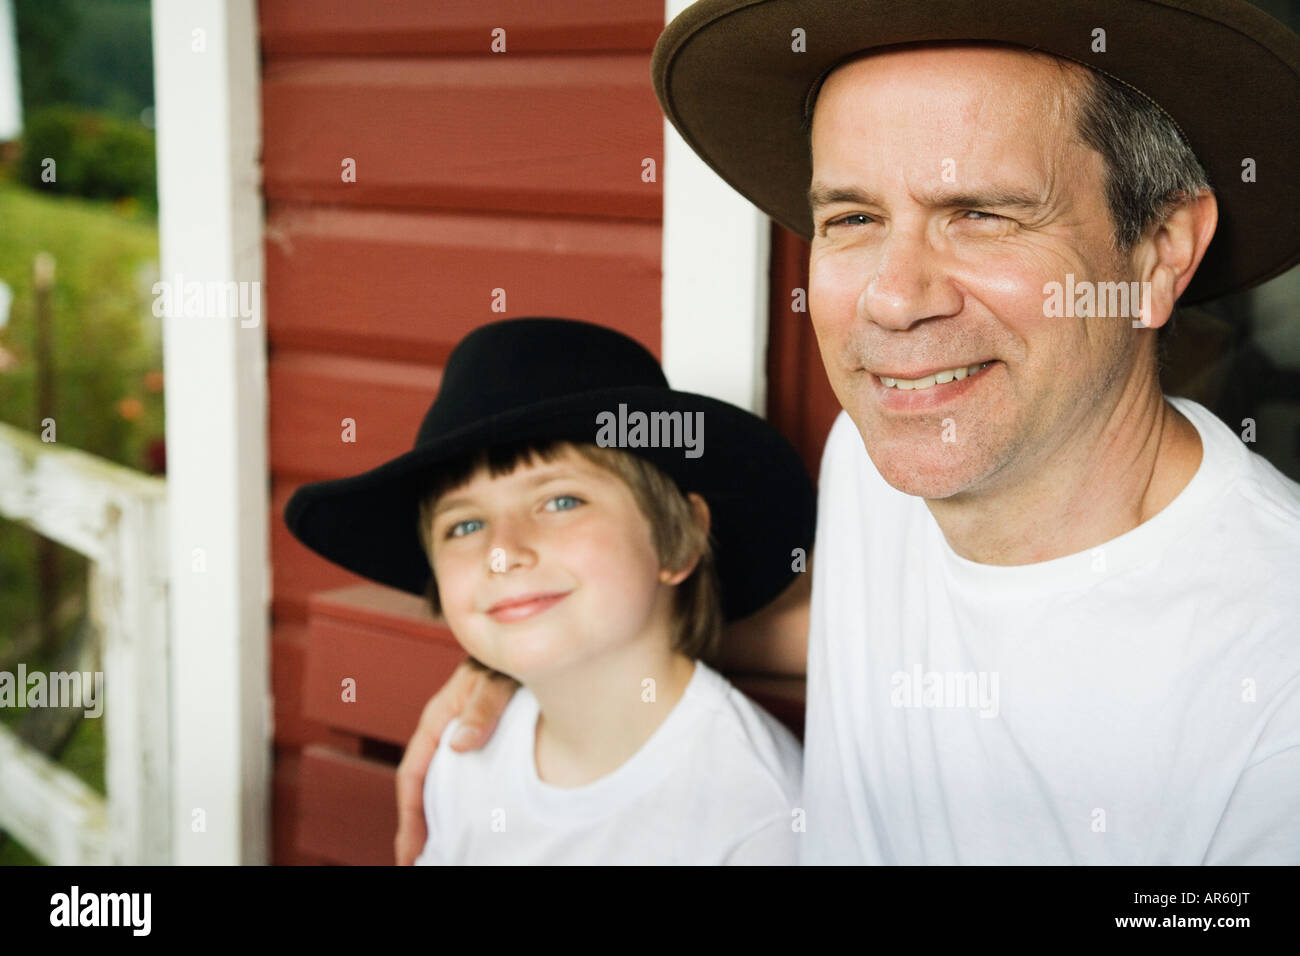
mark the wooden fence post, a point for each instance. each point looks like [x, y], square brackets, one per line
[47, 556]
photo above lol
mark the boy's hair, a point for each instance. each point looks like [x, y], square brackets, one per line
[697, 611]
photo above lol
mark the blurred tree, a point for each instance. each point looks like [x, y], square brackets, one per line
[45, 30]
[96, 54]
[113, 52]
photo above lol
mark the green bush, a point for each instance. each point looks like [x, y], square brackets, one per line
[96, 155]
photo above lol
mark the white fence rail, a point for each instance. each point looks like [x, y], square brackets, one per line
[117, 518]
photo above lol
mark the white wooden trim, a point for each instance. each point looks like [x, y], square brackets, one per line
[210, 230]
[117, 519]
[11, 107]
[48, 810]
[716, 248]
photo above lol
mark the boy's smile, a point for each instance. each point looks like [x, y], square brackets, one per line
[524, 605]
[548, 568]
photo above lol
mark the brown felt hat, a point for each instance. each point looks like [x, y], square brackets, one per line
[728, 78]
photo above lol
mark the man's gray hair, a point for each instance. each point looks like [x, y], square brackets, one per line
[1150, 168]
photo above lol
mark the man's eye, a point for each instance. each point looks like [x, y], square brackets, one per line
[980, 212]
[847, 220]
[462, 528]
[563, 503]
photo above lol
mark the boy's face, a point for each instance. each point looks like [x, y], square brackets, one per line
[547, 567]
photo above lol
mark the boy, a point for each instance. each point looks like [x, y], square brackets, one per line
[585, 572]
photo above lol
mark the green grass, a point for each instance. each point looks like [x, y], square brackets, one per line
[102, 347]
[104, 344]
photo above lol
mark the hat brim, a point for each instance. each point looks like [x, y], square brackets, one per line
[760, 497]
[1226, 72]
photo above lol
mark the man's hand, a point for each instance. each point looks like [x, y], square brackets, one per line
[478, 696]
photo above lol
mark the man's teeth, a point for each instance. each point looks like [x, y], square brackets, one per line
[938, 378]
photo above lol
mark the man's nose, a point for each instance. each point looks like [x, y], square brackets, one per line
[908, 283]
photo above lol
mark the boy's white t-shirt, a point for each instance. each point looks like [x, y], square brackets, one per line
[717, 782]
[1146, 708]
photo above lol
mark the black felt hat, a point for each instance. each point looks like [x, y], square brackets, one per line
[543, 379]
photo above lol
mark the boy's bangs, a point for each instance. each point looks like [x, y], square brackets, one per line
[498, 459]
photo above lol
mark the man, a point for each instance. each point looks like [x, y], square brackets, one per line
[1051, 617]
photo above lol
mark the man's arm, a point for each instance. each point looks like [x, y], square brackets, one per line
[479, 697]
[774, 640]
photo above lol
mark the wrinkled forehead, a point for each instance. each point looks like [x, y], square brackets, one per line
[988, 114]
[1013, 73]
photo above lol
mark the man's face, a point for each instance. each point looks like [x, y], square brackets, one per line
[948, 188]
[546, 567]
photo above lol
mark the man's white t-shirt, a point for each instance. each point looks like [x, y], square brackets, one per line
[1137, 703]
[717, 782]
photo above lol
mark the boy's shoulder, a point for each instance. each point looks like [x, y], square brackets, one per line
[519, 717]
[745, 747]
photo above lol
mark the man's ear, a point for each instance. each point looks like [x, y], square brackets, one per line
[1172, 254]
[703, 520]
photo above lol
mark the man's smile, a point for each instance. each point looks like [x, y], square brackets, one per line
[930, 389]
[921, 380]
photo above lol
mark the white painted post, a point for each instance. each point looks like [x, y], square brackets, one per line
[716, 248]
[206, 84]
[128, 606]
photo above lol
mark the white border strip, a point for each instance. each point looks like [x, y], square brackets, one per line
[206, 84]
[716, 249]
[11, 106]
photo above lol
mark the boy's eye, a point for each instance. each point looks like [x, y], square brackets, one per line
[462, 528]
[563, 503]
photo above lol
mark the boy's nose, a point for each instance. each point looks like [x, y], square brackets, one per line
[509, 548]
[501, 560]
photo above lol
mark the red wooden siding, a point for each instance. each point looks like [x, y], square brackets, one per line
[800, 402]
[504, 132]
[409, 27]
[475, 172]
[350, 816]
[397, 283]
[390, 651]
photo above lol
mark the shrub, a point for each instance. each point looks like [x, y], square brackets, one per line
[96, 155]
